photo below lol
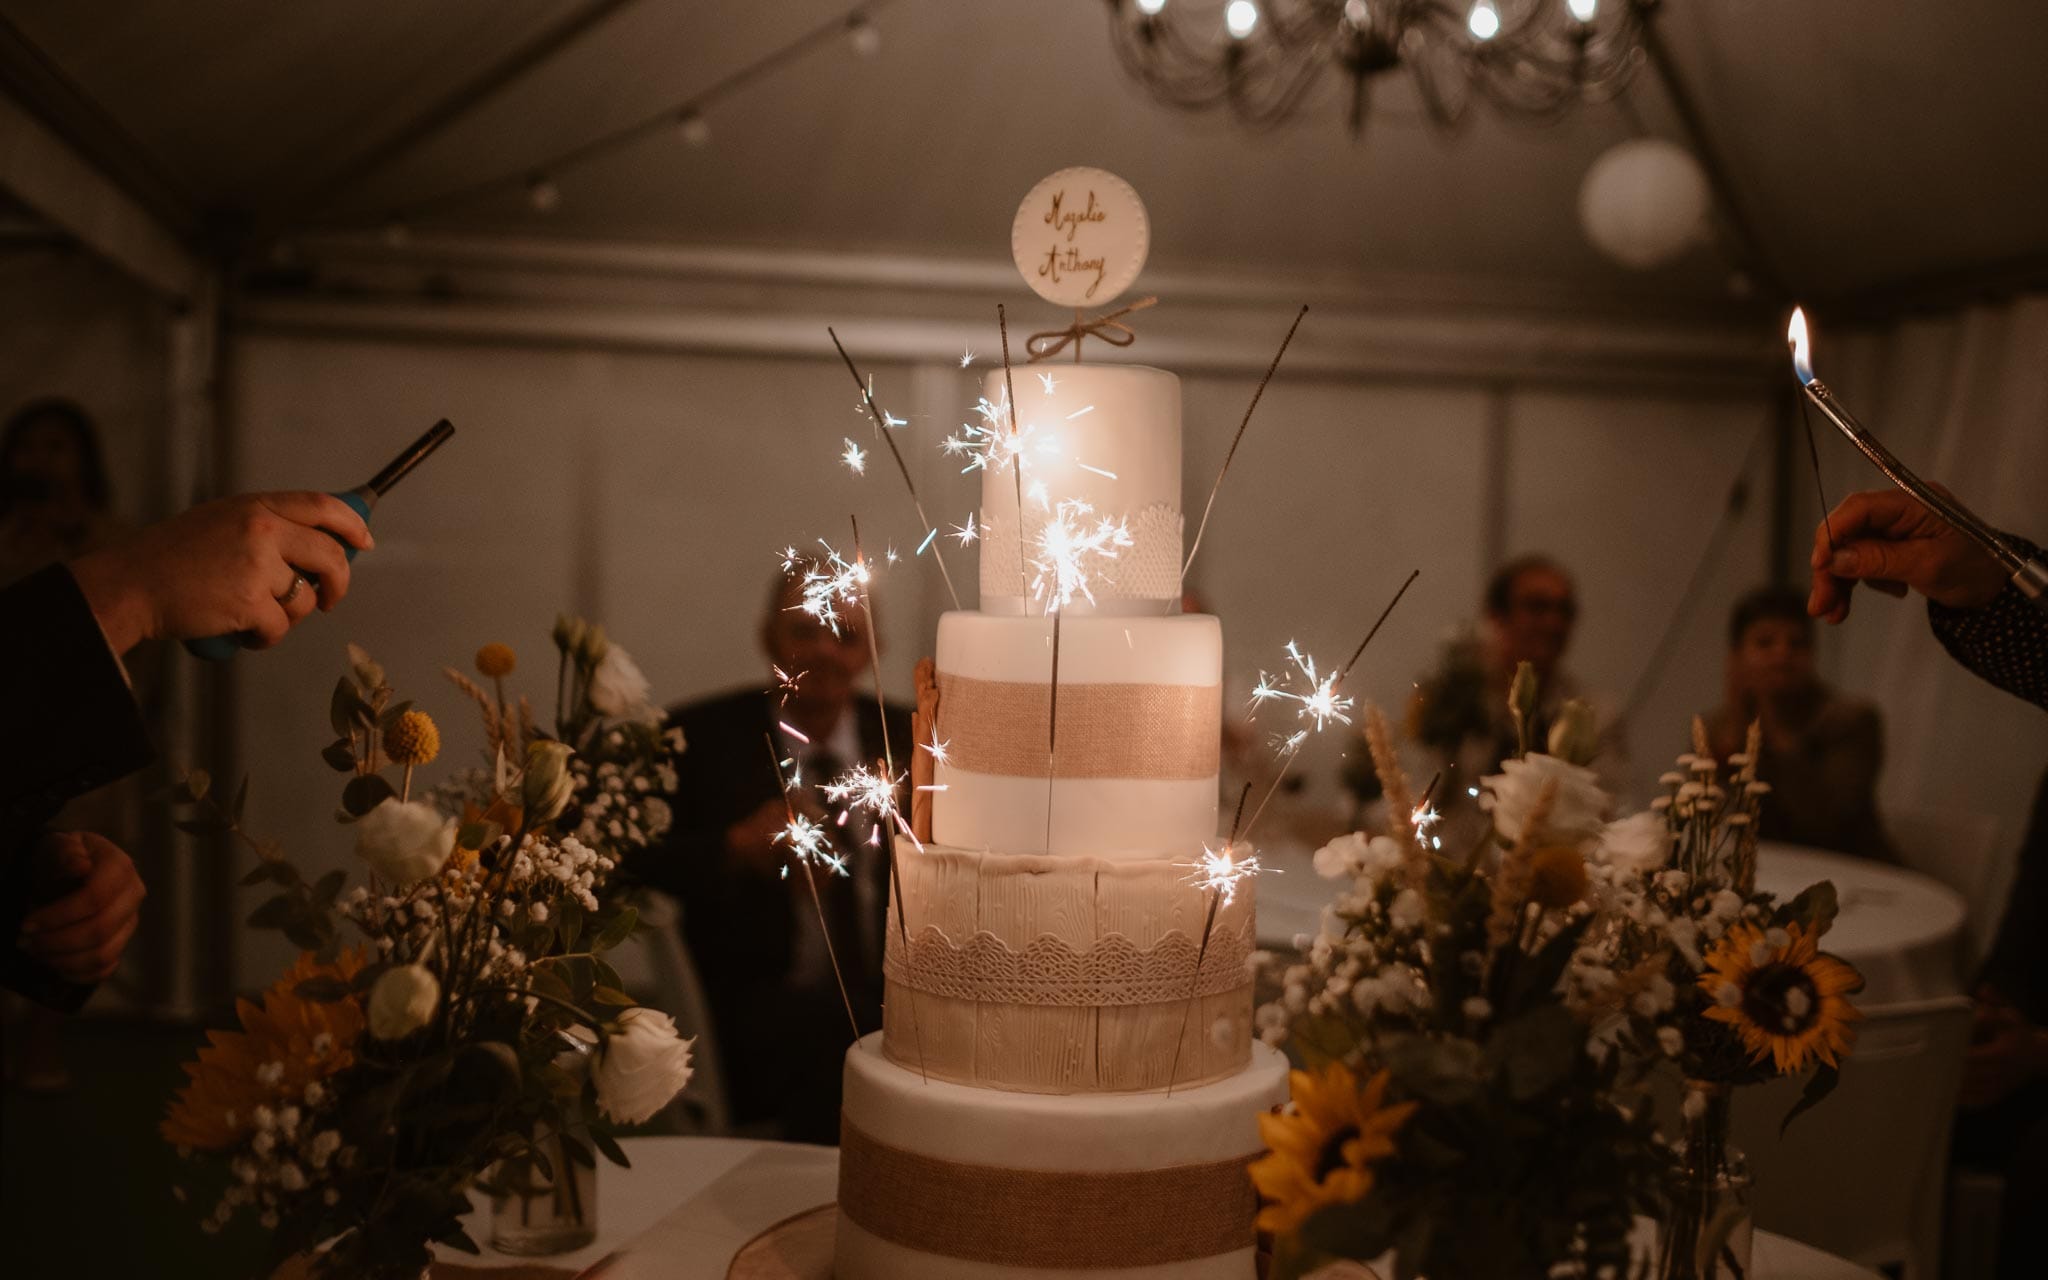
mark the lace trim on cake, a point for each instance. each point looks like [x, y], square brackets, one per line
[1050, 972]
[1148, 569]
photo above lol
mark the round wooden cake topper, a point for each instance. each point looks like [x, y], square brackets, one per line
[1080, 237]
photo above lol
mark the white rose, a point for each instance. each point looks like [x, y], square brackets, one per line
[617, 688]
[644, 1065]
[1340, 859]
[402, 1001]
[1577, 813]
[1640, 842]
[404, 842]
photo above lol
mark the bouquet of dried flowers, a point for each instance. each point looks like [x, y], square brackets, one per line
[452, 1017]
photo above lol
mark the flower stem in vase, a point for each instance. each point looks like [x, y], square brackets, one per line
[1707, 1226]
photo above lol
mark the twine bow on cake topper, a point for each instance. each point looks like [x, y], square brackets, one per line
[1107, 327]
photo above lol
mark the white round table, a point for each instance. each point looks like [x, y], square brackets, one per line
[689, 1204]
[1902, 929]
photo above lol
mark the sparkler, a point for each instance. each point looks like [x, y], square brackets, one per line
[1009, 402]
[1066, 545]
[1218, 874]
[966, 533]
[883, 801]
[882, 424]
[809, 843]
[1224, 470]
[966, 357]
[829, 583]
[1317, 707]
[855, 458]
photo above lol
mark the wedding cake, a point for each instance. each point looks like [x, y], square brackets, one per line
[1060, 1089]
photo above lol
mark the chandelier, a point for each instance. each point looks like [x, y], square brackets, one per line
[1530, 59]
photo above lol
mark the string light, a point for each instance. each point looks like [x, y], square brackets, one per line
[863, 35]
[1484, 20]
[1240, 18]
[693, 128]
[543, 194]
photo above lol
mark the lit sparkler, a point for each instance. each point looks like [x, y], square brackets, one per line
[829, 583]
[966, 357]
[1067, 545]
[809, 843]
[1319, 705]
[883, 422]
[855, 458]
[966, 533]
[1220, 871]
[871, 790]
[811, 846]
[1047, 380]
[936, 748]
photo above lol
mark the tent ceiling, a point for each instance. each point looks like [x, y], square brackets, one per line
[1873, 141]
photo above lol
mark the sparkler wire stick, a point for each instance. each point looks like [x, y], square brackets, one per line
[1224, 470]
[1052, 725]
[1194, 986]
[1016, 464]
[2029, 576]
[810, 877]
[902, 468]
[889, 764]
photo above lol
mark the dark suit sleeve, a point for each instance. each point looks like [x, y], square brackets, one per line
[71, 726]
[2006, 641]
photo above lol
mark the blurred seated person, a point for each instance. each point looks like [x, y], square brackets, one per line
[1821, 751]
[2004, 1122]
[1459, 712]
[779, 1025]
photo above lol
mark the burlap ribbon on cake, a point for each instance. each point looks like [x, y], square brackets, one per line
[1160, 732]
[1069, 1221]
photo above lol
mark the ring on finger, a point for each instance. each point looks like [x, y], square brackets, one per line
[291, 593]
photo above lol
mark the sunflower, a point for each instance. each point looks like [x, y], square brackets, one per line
[1321, 1150]
[1785, 999]
[286, 1044]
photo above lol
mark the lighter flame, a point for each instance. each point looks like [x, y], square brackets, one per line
[1802, 350]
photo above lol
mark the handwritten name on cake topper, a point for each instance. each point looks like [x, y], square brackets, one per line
[1080, 237]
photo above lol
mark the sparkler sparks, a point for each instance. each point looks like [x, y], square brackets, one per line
[829, 583]
[1320, 705]
[785, 683]
[1220, 871]
[1050, 385]
[873, 790]
[937, 750]
[966, 357]
[809, 844]
[861, 407]
[1066, 545]
[990, 444]
[855, 457]
[966, 533]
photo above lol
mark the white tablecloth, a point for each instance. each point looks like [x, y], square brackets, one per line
[1904, 930]
[689, 1204]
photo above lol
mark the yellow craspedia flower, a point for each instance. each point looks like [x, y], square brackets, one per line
[1557, 877]
[1321, 1151]
[413, 739]
[496, 660]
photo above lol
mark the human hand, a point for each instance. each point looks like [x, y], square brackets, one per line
[224, 567]
[81, 935]
[1887, 535]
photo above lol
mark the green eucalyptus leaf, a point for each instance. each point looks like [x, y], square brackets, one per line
[328, 886]
[611, 1148]
[341, 708]
[340, 755]
[277, 912]
[1818, 1087]
[611, 996]
[1816, 908]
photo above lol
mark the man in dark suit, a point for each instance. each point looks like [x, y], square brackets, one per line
[258, 564]
[780, 1026]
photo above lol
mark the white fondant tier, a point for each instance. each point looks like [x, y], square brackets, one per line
[939, 1181]
[1105, 435]
[1050, 974]
[1123, 754]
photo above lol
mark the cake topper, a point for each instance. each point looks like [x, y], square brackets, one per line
[1079, 240]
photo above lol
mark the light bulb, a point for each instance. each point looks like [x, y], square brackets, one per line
[1583, 10]
[543, 194]
[1357, 14]
[693, 128]
[1151, 8]
[863, 35]
[1484, 20]
[1241, 17]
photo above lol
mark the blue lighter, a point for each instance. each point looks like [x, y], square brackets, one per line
[361, 499]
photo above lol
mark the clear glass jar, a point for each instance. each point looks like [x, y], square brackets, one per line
[1708, 1222]
[544, 1211]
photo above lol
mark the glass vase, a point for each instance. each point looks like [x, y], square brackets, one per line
[548, 1210]
[1708, 1221]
